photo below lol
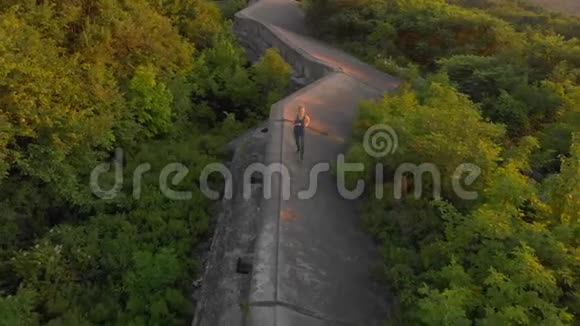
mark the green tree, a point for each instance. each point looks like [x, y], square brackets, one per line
[79, 78]
[151, 101]
[272, 76]
[434, 125]
[18, 309]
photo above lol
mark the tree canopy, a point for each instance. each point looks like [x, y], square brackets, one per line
[163, 81]
[493, 83]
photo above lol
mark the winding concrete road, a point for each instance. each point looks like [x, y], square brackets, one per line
[313, 261]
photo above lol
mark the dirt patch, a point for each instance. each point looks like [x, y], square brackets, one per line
[564, 6]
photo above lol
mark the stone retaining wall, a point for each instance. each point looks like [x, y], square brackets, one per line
[256, 37]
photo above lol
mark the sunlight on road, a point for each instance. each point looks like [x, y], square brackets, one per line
[289, 215]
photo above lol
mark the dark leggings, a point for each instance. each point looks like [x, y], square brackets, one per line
[299, 137]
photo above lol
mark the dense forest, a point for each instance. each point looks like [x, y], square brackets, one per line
[492, 83]
[164, 81]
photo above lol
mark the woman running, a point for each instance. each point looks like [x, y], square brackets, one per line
[301, 122]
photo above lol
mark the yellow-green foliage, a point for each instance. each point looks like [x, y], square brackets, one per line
[494, 260]
[510, 257]
[162, 80]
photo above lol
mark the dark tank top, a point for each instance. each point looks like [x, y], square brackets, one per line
[299, 125]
